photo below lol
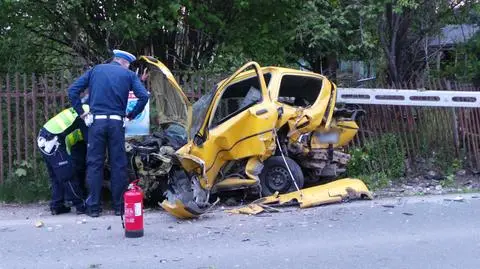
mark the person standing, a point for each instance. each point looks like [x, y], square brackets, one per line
[109, 85]
[61, 143]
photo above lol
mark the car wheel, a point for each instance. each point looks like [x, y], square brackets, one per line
[275, 176]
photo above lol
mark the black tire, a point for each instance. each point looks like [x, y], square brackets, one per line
[275, 176]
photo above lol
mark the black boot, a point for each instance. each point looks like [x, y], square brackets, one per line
[60, 210]
[92, 213]
[81, 210]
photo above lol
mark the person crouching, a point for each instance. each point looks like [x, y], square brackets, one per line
[62, 143]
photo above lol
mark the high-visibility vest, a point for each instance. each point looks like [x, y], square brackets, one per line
[72, 139]
[61, 122]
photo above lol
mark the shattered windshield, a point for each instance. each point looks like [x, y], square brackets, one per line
[199, 111]
[200, 107]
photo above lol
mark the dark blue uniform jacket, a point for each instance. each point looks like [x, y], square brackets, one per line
[109, 85]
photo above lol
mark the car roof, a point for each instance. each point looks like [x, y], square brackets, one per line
[288, 70]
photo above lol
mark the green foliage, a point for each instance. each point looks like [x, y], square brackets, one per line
[79, 32]
[375, 181]
[378, 161]
[466, 66]
[447, 162]
[333, 28]
[449, 181]
[40, 36]
[25, 185]
[260, 31]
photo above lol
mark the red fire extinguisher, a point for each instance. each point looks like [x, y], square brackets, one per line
[133, 199]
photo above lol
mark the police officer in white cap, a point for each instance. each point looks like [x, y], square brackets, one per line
[109, 85]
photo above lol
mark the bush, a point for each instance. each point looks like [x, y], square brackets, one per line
[378, 161]
[26, 185]
[446, 161]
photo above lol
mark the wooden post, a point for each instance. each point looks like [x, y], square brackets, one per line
[456, 140]
[9, 124]
[474, 137]
[54, 101]
[448, 121]
[45, 98]
[62, 89]
[18, 144]
[474, 122]
[1, 136]
[34, 118]
[26, 133]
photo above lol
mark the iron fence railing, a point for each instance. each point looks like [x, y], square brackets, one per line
[28, 101]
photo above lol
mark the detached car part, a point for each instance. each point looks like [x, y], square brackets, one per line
[333, 192]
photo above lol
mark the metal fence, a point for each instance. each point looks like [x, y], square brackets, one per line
[28, 101]
[427, 121]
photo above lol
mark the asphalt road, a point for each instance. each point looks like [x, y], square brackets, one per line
[416, 232]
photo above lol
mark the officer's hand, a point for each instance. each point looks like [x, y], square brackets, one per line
[87, 118]
[145, 75]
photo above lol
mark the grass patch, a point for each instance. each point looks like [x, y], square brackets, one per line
[25, 185]
[378, 161]
[449, 181]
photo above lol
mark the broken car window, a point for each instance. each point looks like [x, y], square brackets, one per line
[199, 111]
[301, 91]
[238, 97]
[253, 96]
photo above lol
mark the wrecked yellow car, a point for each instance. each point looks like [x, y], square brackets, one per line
[267, 128]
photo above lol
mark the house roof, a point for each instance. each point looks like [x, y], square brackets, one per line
[454, 34]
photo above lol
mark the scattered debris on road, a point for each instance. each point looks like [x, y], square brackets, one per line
[251, 209]
[39, 224]
[82, 221]
[456, 199]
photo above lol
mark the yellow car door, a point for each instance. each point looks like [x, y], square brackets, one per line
[238, 124]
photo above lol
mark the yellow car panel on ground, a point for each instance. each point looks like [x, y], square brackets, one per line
[333, 192]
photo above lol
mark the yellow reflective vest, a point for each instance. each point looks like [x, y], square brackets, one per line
[61, 122]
